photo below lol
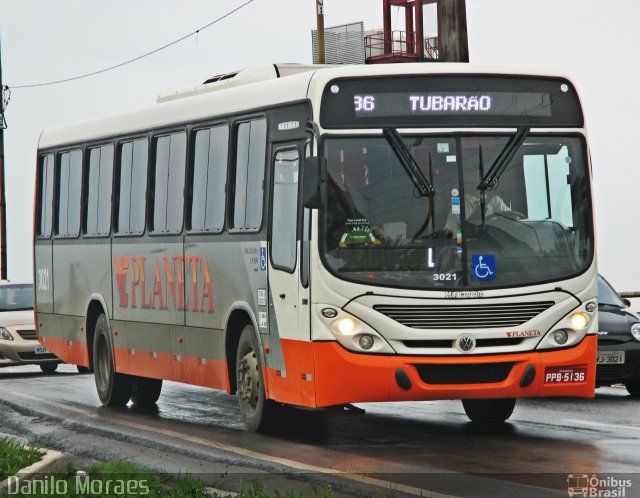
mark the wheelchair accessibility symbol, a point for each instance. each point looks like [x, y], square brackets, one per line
[484, 267]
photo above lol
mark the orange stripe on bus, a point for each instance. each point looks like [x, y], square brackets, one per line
[288, 386]
[56, 345]
[325, 374]
[341, 376]
[205, 372]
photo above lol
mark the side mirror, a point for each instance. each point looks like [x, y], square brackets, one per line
[312, 184]
[627, 302]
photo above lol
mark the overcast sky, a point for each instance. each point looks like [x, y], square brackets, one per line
[594, 42]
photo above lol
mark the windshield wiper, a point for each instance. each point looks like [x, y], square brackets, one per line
[408, 162]
[492, 177]
[483, 203]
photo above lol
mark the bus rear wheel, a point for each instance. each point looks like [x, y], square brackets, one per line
[114, 389]
[145, 392]
[489, 412]
[258, 412]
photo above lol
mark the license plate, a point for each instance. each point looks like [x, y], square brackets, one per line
[610, 357]
[41, 350]
[565, 375]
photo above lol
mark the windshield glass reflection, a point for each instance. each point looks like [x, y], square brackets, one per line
[531, 225]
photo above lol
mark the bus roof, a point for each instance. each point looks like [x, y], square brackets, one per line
[258, 88]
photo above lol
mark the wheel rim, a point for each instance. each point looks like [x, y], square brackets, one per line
[249, 380]
[102, 367]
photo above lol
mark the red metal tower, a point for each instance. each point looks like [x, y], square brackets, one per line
[434, 30]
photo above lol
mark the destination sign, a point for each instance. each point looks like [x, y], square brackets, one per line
[489, 103]
[462, 100]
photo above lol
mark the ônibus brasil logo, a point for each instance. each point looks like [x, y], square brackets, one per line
[592, 485]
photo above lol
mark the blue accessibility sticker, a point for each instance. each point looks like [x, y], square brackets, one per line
[483, 267]
[263, 259]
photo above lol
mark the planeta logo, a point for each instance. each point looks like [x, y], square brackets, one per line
[182, 283]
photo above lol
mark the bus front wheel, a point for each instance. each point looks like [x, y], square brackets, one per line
[257, 411]
[114, 389]
[145, 392]
[489, 412]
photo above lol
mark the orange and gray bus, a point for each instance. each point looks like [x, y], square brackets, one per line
[321, 236]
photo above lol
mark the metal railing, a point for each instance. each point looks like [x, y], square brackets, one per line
[400, 44]
[378, 45]
[431, 48]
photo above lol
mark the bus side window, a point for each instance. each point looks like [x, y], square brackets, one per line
[169, 169]
[68, 193]
[45, 196]
[306, 234]
[132, 186]
[285, 209]
[209, 178]
[99, 184]
[248, 193]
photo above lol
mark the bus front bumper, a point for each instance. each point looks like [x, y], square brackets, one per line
[342, 377]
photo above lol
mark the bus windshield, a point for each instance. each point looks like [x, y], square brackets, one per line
[530, 224]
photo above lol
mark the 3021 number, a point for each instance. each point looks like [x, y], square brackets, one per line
[444, 277]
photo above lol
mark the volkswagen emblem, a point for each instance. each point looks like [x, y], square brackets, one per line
[466, 343]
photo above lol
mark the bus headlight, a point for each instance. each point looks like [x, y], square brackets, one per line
[346, 325]
[355, 335]
[635, 331]
[579, 320]
[560, 337]
[366, 342]
[571, 329]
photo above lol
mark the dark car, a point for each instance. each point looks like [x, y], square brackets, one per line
[618, 341]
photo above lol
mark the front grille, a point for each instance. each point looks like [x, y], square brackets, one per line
[435, 343]
[463, 316]
[614, 373]
[480, 343]
[34, 356]
[28, 334]
[484, 373]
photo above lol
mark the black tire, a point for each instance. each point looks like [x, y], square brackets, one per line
[114, 389]
[634, 388]
[48, 368]
[83, 370]
[489, 412]
[259, 413]
[303, 425]
[145, 392]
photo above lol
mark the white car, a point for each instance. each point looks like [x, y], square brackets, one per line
[18, 340]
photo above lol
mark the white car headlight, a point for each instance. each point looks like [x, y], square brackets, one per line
[4, 334]
[635, 331]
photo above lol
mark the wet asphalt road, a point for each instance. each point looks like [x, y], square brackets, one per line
[422, 449]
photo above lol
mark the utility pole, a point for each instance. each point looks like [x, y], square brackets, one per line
[320, 27]
[3, 205]
[453, 31]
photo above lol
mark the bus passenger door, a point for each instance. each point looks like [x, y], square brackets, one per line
[290, 359]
